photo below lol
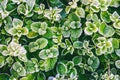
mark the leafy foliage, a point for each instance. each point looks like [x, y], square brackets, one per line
[59, 40]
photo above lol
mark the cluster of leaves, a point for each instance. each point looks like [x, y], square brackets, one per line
[59, 40]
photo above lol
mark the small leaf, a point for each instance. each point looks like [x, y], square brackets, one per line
[30, 67]
[23, 57]
[76, 32]
[67, 9]
[73, 73]
[105, 16]
[32, 34]
[42, 42]
[73, 17]
[43, 54]
[4, 3]
[21, 9]
[66, 33]
[80, 12]
[19, 69]
[78, 44]
[117, 24]
[95, 62]
[94, 8]
[88, 31]
[13, 31]
[33, 46]
[48, 53]
[2, 61]
[25, 31]
[117, 64]
[115, 43]
[41, 76]
[114, 16]
[49, 33]
[77, 60]
[2, 48]
[70, 65]
[117, 51]
[9, 60]
[50, 63]
[61, 68]
[4, 76]
[101, 28]
[108, 31]
[35, 26]
[85, 2]
[17, 22]
[30, 4]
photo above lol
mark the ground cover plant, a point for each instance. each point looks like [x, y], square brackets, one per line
[59, 40]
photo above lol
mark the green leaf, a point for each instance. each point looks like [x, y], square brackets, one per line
[94, 8]
[117, 64]
[2, 61]
[50, 63]
[32, 34]
[21, 9]
[23, 57]
[67, 9]
[30, 67]
[108, 31]
[88, 31]
[55, 3]
[85, 2]
[117, 51]
[48, 34]
[101, 28]
[73, 73]
[42, 42]
[70, 65]
[17, 22]
[41, 76]
[4, 4]
[2, 48]
[66, 33]
[30, 76]
[48, 53]
[115, 43]
[30, 4]
[35, 26]
[13, 31]
[73, 17]
[91, 28]
[61, 68]
[25, 31]
[94, 62]
[9, 60]
[105, 16]
[76, 32]
[19, 69]
[117, 24]
[114, 16]
[4, 76]
[23, 78]
[77, 60]
[78, 44]
[33, 46]
[80, 12]
[43, 28]
[43, 54]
